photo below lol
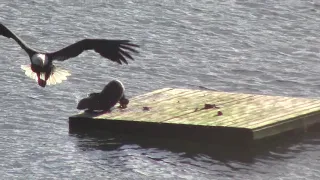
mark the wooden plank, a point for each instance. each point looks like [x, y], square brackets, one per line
[158, 95]
[276, 111]
[295, 113]
[159, 109]
[202, 117]
[196, 107]
[251, 112]
[297, 122]
[171, 106]
[263, 110]
[231, 112]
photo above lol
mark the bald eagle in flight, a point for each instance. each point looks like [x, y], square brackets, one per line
[45, 73]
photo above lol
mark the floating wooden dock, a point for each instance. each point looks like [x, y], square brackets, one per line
[204, 115]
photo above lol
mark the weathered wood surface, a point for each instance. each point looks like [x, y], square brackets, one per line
[260, 114]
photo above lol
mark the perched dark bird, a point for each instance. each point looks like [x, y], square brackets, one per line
[45, 73]
[111, 94]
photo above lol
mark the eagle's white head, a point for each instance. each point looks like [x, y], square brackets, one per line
[39, 59]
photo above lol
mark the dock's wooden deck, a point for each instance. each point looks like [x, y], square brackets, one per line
[179, 112]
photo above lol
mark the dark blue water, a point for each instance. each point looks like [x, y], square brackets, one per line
[265, 47]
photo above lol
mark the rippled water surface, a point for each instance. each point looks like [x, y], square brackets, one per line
[266, 47]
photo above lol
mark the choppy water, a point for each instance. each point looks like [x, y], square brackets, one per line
[265, 47]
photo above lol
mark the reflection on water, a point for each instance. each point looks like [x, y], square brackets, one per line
[280, 146]
[154, 157]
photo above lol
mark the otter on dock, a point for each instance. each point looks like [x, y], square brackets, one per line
[111, 94]
[205, 115]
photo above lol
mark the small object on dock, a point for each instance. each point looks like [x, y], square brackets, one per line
[146, 108]
[111, 94]
[210, 106]
[245, 117]
[123, 102]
